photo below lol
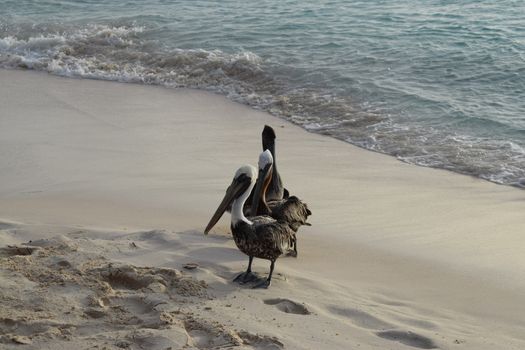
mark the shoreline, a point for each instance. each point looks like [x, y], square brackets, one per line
[125, 157]
[520, 184]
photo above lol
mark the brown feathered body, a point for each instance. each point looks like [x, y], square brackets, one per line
[266, 238]
[292, 210]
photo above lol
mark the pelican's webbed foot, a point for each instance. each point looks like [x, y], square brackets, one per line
[262, 285]
[245, 277]
[266, 283]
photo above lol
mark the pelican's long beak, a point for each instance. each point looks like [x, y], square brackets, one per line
[263, 180]
[237, 187]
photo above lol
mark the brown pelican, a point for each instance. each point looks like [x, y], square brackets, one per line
[259, 236]
[291, 210]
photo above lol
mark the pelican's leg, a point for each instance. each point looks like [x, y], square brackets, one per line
[266, 283]
[247, 276]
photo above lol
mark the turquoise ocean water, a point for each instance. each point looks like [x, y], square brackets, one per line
[434, 83]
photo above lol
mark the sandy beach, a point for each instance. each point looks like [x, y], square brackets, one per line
[105, 190]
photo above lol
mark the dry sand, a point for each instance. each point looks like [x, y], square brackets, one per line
[105, 189]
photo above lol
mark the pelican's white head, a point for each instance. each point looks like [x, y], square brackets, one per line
[265, 158]
[247, 170]
[237, 192]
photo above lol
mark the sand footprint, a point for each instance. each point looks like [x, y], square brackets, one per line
[361, 318]
[365, 320]
[408, 338]
[155, 339]
[258, 341]
[126, 278]
[203, 334]
[5, 226]
[15, 250]
[288, 306]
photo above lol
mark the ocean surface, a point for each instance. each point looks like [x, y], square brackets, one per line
[434, 83]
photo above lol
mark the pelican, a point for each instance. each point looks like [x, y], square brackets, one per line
[291, 210]
[259, 236]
